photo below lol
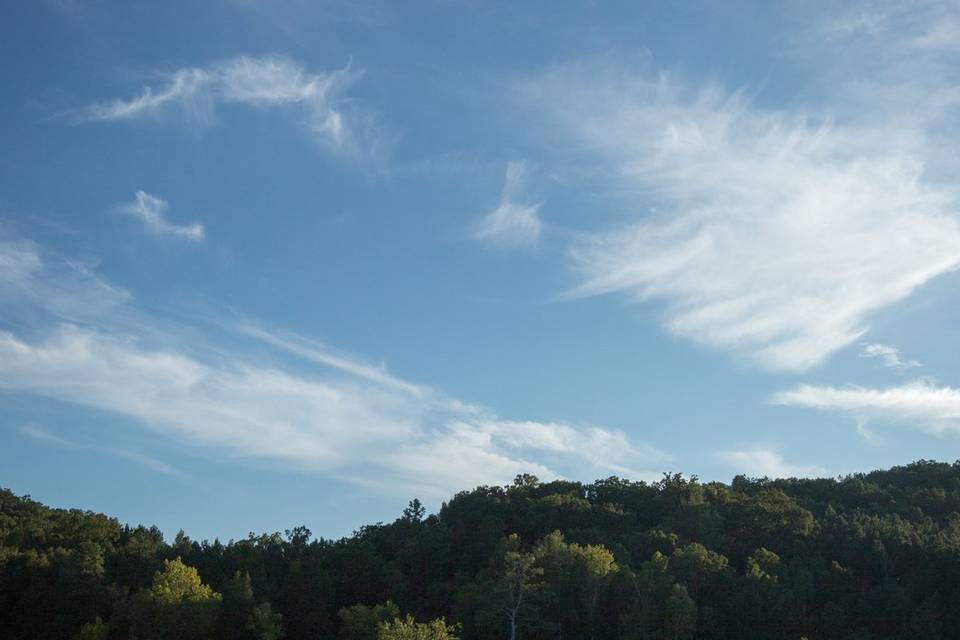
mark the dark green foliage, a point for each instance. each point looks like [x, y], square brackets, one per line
[866, 557]
[96, 630]
[241, 617]
[361, 622]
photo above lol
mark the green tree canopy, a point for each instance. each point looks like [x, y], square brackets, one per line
[409, 629]
[177, 606]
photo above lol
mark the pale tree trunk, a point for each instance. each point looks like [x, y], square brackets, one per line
[514, 612]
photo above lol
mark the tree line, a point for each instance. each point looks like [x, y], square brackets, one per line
[860, 557]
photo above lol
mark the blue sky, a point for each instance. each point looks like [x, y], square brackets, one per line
[268, 262]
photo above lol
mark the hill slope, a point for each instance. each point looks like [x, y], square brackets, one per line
[867, 556]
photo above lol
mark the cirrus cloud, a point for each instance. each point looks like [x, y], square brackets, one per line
[340, 124]
[776, 233]
[324, 412]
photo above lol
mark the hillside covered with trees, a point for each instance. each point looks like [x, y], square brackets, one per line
[866, 556]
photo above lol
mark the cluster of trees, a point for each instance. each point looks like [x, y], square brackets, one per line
[867, 556]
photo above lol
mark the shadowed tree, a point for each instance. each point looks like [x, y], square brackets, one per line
[680, 613]
[361, 622]
[96, 630]
[241, 617]
[264, 623]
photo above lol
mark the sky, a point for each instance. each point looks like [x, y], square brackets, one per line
[266, 263]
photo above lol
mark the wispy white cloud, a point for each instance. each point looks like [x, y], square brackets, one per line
[343, 415]
[339, 123]
[185, 87]
[604, 449]
[313, 423]
[867, 434]
[32, 277]
[772, 232]
[150, 210]
[898, 73]
[460, 455]
[920, 25]
[321, 354]
[250, 410]
[765, 462]
[40, 434]
[512, 223]
[889, 355]
[487, 450]
[898, 59]
[920, 404]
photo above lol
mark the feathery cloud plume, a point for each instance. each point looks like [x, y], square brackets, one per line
[511, 224]
[774, 233]
[340, 124]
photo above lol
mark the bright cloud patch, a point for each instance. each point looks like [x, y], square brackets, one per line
[764, 232]
[890, 356]
[759, 462]
[919, 405]
[264, 82]
[149, 210]
[512, 223]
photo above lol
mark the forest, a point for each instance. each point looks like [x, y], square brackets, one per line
[865, 556]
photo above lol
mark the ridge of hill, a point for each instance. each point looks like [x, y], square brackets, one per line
[869, 555]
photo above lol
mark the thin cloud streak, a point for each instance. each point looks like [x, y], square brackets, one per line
[319, 353]
[184, 86]
[41, 435]
[340, 124]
